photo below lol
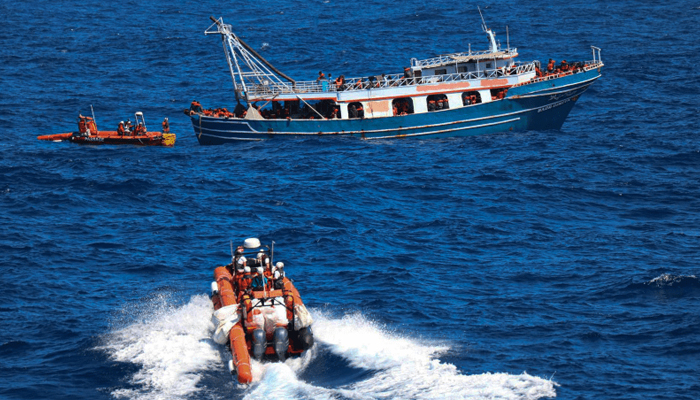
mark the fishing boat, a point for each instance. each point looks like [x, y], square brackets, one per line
[458, 94]
[126, 133]
[258, 312]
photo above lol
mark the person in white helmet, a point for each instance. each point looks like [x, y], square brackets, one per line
[166, 125]
[278, 275]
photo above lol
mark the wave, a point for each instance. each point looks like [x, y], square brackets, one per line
[171, 346]
[669, 280]
[175, 357]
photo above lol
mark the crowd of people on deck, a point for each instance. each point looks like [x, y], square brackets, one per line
[564, 68]
[324, 109]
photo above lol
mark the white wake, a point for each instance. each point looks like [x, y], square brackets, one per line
[171, 346]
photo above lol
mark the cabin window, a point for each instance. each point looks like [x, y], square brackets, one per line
[498, 94]
[313, 109]
[488, 65]
[469, 98]
[462, 69]
[437, 102]
[402, 106]
[355, 110]
[441, 71]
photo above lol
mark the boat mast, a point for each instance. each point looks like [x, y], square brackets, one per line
[250, 68]
[493, 47]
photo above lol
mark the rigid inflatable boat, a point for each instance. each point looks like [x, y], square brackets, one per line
[258, 312]
[125, 134]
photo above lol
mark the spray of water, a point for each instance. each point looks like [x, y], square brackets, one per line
[173, 350]
[171, 345]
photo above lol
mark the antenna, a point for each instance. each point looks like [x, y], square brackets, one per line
[483, 23]
[93, 118]
[231, 244]
[507, 38]
[272, 254]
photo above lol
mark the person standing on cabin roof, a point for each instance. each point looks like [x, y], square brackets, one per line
[321, 76]
[166, 125]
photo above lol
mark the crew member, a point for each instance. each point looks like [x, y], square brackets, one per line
[120, 128]
[166, 125]
[82, 126]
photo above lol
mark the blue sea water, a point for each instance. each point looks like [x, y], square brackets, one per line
[510, 266]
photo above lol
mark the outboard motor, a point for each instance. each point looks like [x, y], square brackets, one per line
[281, 343]
[306, 337]
[259, 344]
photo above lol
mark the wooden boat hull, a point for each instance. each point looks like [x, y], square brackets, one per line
[541, 105]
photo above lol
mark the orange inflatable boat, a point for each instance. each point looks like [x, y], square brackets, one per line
[125, 134]
[257, 310]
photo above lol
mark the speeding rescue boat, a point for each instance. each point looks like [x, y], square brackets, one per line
[138, 134]
[258, 312]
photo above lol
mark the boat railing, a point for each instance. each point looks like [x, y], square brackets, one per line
[386, 81]
[587, 66]
[451, 58]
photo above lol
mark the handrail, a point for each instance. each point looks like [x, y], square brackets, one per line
[588, 65]
[450, 58]
[389, 81]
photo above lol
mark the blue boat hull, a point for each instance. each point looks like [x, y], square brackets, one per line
[537, 106]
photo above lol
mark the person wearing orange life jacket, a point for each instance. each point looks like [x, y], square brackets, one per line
[360, 111]
[564, 66]
[92, 127]
[82, 125]
[538, 73]
[166, 125]
[120, 128]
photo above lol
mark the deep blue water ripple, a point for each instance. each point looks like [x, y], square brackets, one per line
[571, 255]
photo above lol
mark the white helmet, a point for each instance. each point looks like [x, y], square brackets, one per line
[260, 270]
[241, 261]
[279, 265]
[246, 269]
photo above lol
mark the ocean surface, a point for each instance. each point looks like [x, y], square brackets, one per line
[511, 266]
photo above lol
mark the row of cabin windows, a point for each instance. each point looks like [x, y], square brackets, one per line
[435, 102]
[462, 68]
